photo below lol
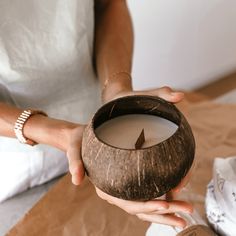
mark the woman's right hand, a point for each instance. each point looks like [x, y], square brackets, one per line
[73, 152]
[61, 134]
[160, 210]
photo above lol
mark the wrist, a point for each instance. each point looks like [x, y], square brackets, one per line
[20, 123]
[46, 130]
[117, 83]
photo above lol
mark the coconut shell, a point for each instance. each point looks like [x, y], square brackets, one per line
[138, 174]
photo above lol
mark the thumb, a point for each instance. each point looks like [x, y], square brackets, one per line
[76, 166]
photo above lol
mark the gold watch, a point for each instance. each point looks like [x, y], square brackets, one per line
[20, 122]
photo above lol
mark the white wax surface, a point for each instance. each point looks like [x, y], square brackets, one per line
[123, 131]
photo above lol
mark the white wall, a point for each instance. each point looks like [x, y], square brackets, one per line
[183, 43]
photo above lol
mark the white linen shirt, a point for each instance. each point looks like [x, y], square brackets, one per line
[45, 63]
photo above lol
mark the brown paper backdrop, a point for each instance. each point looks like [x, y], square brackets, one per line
[214, 127]
[68, 210]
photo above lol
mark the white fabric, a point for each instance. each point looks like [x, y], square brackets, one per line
[221, 197]
[165, 230]
[158, 229]
[45, 63]
[220, 202]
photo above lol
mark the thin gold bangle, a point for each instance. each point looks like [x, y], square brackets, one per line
[110, 78]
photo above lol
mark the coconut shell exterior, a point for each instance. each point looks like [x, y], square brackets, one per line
[138, 174]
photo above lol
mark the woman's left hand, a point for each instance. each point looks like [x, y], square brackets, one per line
[73, 152]
[153, 211]
[165, 93]
[156, 210]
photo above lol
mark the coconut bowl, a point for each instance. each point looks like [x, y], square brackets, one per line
[161, 167]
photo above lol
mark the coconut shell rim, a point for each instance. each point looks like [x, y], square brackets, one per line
[181, 122]
[133, 96]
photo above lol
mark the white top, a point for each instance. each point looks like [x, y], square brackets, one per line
[45, 63]
[221, 196]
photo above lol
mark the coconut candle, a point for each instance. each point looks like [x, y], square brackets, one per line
[123, 131]
[163, 157]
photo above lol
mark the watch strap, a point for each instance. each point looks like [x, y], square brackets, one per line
[20, 123]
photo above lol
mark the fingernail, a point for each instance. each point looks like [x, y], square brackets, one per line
[74, 180]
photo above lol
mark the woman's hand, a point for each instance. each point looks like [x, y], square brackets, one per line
[64, 135]
[73, 152]
[156, 211]
[164, 92]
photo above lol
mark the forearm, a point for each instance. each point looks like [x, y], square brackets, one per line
[38, 128]
[113, 44]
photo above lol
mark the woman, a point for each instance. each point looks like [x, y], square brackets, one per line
[46, 55]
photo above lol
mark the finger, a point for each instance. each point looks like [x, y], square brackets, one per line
[168, 219]
[76, 166]
[177, 206]
[168, 94]
[144, 207]
[134, 207]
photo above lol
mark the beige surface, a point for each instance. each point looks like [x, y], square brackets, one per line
[67, 210]
[214, 129]
[219, 87]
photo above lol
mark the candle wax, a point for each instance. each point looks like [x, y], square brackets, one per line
[123, 131]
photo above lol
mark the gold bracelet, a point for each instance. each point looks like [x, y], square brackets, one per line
[19, 125]
[114, 75]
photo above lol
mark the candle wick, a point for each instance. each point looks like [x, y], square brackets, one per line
[140, 141]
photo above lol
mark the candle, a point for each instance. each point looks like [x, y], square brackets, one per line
[137, 147]
[123, 131]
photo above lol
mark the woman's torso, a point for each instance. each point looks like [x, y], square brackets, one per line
[45, 63]
[46, 56]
